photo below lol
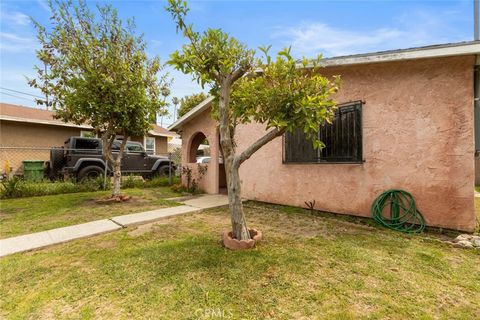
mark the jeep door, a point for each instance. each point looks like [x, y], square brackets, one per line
[135, 160]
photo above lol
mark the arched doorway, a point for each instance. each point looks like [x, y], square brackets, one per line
[199, 150]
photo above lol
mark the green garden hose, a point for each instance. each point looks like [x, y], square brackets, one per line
[404, 215]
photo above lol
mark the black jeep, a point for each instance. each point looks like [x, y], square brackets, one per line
[83, 158]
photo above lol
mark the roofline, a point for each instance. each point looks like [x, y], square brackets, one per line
[192, 113]
[70, 125]
[157, 134]
[47, 122]
[434, 51]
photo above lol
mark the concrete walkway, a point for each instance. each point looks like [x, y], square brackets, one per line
[55, 236]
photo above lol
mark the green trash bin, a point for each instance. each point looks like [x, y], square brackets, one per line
[33, 170]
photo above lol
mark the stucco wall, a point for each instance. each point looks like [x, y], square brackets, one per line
[202, 123]
[33, 140]
[34, 135]
[30, 141]
[417, 136]
[161, 145]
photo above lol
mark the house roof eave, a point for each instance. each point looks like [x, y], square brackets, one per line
[45, 122]
[202, 106]
[433, 51]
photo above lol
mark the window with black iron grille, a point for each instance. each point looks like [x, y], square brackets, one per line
[342, 138]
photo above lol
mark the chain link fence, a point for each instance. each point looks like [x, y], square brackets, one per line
[13, 157]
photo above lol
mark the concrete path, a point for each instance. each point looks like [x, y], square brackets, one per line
[55, 236]
[149, 216]
[205, 202]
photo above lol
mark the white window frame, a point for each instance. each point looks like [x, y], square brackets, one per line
[83, 132]
[154, 144]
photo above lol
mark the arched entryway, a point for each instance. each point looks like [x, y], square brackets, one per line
[202, 148]
[199, 147]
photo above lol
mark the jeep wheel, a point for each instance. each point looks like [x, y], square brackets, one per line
[163, 171]
[90, 172]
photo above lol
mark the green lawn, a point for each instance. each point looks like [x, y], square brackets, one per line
[307, 267]
[33, 214]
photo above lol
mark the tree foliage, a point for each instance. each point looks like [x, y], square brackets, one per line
[97, 73]
[187, 103]
[210, 57]
[279, 93]
[285, 95]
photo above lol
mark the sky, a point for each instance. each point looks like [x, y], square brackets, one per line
[330, 28]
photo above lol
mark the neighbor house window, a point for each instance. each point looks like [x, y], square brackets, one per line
[149, 143]
[342, 139]
[87, 134]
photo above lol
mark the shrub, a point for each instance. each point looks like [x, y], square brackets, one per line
[10, 187]
[17, 188]
[160, 182]
[129, 182]
[100, 181]
[192, 184]
[177, 187]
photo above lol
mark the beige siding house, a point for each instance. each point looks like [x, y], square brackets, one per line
[28, 133]
[413, 129]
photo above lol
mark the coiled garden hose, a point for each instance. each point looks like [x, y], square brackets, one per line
[404, 215]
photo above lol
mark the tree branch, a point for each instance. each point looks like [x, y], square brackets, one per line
[237, 74]
[247, 153]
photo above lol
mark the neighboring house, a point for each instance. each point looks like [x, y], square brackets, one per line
[405, 120]
[27, 134]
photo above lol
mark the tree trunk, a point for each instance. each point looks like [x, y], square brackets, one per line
[239, 225]
[117, 179]
[107, 140]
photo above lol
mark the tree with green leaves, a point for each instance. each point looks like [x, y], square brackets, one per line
[99, 74]
[175, 102]
[279, 93]
[187, 103]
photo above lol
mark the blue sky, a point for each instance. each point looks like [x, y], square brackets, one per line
[310, 27]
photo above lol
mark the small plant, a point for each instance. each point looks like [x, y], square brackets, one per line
[310, 205]
[129, 182]
[102, 184]
[160, 182]
[7, 170]
[187, 172]
[178, 187]
[11, 187]
[192, 183]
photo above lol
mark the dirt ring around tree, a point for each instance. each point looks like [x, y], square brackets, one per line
[234, 244]
[114, 199]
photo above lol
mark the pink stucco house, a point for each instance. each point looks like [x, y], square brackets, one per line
[405, 120]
